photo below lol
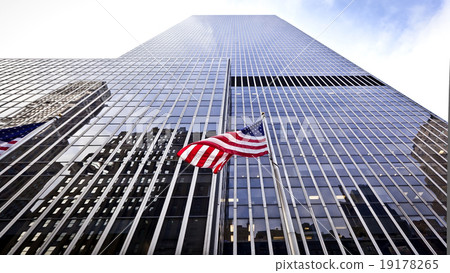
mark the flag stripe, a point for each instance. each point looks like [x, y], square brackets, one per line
[238, 143]
[205, 156]
[220, 167]
[211, 158]
[232, 150]
[184, 153]
[220, 163]
[193, 153]
[218, 156]
[201, 152]
[4, 146]
[214, 152]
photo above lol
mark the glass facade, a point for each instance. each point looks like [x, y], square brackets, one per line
[363, 167]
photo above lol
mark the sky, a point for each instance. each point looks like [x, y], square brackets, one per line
[405, 43]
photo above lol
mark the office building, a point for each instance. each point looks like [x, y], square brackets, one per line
[363, 166]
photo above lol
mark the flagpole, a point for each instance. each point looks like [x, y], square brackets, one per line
[279, 189]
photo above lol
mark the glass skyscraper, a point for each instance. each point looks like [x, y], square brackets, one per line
[88, 160]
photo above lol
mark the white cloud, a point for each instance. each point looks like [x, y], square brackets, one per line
[414, 60]
[419, 67]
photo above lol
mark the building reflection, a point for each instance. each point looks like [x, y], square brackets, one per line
[60, 110]
[430, 150]
[57, 103]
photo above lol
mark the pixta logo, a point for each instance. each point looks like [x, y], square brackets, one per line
[291, 128]
[144, 120]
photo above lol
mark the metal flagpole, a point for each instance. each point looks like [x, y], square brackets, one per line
[279, 189]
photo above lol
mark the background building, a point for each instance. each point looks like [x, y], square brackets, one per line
[363, 167]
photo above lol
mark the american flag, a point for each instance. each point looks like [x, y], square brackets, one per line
[10, 136]
[214, 152]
